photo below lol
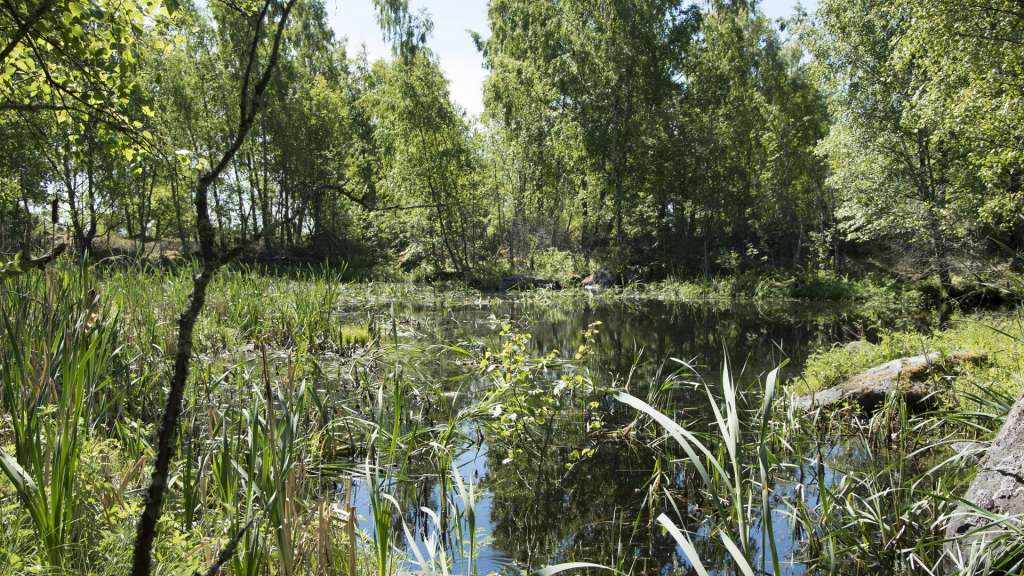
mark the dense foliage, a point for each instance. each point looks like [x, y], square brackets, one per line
[652, 137]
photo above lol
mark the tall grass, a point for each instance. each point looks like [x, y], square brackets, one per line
[304, 384]
[55, 365]
[880, 494]
[81, 361]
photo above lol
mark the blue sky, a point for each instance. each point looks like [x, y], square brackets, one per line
[462, 64]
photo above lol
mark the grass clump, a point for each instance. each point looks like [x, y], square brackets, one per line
[57, 357]
[354, 335]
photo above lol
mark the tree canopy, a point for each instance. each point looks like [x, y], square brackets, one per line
[656, 136]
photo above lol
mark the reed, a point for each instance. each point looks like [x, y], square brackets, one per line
[55, 367]
[732, 468]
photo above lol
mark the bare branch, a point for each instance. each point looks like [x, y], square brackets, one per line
[243, 100]
[34, 107]
[227, 552]
[39, 263]
[42, 261]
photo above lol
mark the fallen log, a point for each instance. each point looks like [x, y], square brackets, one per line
[907, 377]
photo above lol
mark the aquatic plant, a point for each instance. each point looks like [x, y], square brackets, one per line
[734, 470]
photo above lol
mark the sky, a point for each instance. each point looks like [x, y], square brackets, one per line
[453, 19]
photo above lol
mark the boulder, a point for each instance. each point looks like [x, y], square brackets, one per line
[969, 449]
[600, 280]
[855, 346]
[906, 376]
[998, 489]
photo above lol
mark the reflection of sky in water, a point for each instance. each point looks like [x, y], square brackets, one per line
[756, 343]
[490, 559]
[472, 465]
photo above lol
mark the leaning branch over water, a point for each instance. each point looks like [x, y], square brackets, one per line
[18, 266]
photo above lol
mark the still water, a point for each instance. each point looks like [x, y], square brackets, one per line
[537, 511]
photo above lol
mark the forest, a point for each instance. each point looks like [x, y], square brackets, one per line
[698, 291]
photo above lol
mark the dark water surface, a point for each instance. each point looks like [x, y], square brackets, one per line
[536, 512]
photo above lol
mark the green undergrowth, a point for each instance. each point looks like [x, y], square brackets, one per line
[997, 336]
[246, 306]
[762, 285]
[302, 384]
[84, 357]
[816, 286]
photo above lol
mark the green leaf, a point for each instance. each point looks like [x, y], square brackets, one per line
[23, 483]
[737, 555]
[688, 548]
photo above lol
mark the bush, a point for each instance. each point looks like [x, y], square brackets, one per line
[557, 265]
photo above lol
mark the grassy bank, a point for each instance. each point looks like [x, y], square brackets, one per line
[996, 335]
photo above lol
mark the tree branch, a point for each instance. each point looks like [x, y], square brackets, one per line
[42, 261]
[209, 264]
[244, 98]
[227, 552]
[25, 27]
[34, 107]
[370, 207]
[19, 267]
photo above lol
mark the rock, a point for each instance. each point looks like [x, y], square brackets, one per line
[906, 376]
[521, 282]
[600, 280]
[998, 488]
[855, 346]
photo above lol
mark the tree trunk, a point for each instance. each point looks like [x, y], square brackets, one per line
[210, 262]
[90, 202]
[264, 193]
[74, 210]
[243, 221]
[182, 235]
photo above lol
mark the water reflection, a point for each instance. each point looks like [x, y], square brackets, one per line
[536, 511]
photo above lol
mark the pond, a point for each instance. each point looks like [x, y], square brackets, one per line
[537, 511]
